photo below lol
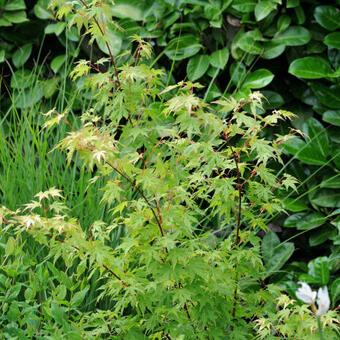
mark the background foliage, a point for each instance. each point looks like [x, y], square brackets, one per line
[288, 49]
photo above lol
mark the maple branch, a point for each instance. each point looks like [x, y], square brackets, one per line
[238, 222]
[5, 221]
[106, 43]
[158, 221]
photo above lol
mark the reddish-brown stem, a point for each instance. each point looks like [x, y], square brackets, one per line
[4, 220]
[158, 143]
[68, 123]
[129, 119]
[239, 188]
[107, 45]
[159, 211]
[158, 221]
[40, 312]
[137, 57]
[94, 67]
[187, 310]
[238, 223]
[104, 266]
[44, 207]
[235, 295]
[115, 275]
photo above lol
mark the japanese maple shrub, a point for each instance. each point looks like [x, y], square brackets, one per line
[171, 163]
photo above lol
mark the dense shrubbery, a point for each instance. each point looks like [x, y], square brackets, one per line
[231, 47]
[191, 186]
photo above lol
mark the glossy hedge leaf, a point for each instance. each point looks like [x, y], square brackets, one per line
[273, 49]
[294, 204]
[263, 9]
[300, 15]
[56, 29]
[213, 14]
[320, 236]
[333, 40]
[317, 135]
[128, 9]
[244, 6]
[274, 253]
[331, 182]
[258, 79]
[327, 198]
[50, 86]
[249, 42]
[115, 41]
[310, 68]
[197, 66]
[332, 117]
[283, 22]
[273, 100]
[305, 220]
[292, 3]
[15, 17]
[41, 11]
[335, 290]
[333, 133]
[21, 55]
[294, 36]
[5, 23]
[2, 56]
[319, 270]
[15, 5]
[183, 47]
[57, 62]
[328, 17]
[304, 152]
[336, 154]
[327, 95]
[219, 58]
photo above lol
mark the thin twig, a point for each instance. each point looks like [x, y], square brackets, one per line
[239, 187]
[106, 43]
[6, 221]
[104, 266]
[158, 221]
[238, 223]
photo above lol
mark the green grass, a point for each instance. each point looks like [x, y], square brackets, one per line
[28, 166]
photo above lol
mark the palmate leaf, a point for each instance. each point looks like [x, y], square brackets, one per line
[174, 171]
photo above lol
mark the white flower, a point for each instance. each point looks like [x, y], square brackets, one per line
[305, 293]
[323, 301]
